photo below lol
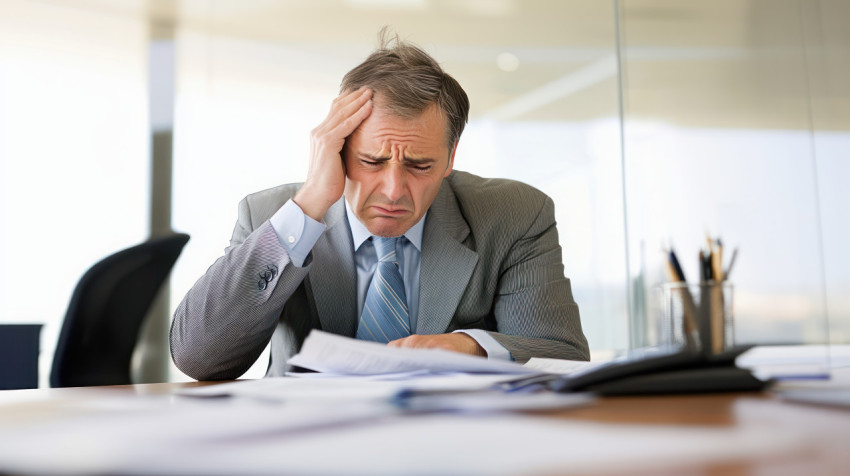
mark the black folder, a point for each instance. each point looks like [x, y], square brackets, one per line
[681, 372]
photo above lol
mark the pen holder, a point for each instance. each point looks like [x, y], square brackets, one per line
[698, 316]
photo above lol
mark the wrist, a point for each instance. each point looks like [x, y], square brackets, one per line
[473, 347]
[312, 206]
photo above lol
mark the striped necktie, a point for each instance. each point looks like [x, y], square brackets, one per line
[385, 315]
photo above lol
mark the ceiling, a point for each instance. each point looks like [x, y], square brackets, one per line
[780, 64]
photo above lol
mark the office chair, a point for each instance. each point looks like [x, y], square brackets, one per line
[106, 311]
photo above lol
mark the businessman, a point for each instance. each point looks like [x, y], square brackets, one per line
[385, 241]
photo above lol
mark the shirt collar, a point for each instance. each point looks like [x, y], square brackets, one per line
[359, 232]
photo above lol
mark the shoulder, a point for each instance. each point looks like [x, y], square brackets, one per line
[479, 194]
[500, 208]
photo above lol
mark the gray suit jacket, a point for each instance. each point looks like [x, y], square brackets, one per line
[490, 260]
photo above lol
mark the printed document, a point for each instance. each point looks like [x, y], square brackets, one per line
[325, 352]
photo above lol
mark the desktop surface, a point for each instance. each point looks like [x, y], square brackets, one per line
[728, 433]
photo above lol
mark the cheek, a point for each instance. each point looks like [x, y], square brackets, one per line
[426, 191]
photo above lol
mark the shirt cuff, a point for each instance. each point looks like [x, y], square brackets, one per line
[495, 350]
[296, 231]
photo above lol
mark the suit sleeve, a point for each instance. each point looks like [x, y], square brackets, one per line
[535, 311]
[227, 318]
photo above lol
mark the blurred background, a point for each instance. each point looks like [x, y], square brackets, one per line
[649, 122]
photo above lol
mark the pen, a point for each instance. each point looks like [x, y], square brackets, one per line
[689, 321]
[717, 261]
[677, 268]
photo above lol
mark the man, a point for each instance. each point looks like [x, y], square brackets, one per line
[459, 262]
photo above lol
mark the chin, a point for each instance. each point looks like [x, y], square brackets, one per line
[386, 233]
[379, 227]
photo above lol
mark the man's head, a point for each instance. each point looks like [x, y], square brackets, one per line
[408, 80]
[397, 158]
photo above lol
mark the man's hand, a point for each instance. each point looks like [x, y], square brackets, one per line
[326, 176]
[456, 342]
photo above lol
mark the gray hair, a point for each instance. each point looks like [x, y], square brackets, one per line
[410, 80]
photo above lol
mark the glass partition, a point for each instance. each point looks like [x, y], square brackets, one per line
[734, 122]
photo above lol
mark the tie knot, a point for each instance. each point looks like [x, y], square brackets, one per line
[385, 247]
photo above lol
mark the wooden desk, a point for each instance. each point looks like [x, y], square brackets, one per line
[825, 451]
[826, 454]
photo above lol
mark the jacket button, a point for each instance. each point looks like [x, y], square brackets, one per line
[261, 285]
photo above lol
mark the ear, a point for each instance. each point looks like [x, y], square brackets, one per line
[451, 161]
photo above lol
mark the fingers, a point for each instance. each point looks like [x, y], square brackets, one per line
[325, 181]
[353, 120]
[348, 110]
[396, 343]
[419, 341]
[456, 342]
[416, 341]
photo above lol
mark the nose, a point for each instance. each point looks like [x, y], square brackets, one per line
[394, 181]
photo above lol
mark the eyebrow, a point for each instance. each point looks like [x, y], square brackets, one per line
[407, 160]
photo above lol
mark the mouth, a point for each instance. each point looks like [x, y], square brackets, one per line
[391, 212]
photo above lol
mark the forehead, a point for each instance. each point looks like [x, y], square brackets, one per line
[383, 128]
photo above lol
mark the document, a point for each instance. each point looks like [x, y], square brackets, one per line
[330, 388]
[492, 445]
[788, 363]
[115, 435]
[492, 401]
[561, 366]
[461, 393]
[325, 352]
[837, 397]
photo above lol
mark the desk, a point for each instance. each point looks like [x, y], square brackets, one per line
[822, 447]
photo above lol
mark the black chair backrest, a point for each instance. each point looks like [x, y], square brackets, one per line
[106, 312]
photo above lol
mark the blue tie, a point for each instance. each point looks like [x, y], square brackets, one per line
[384, 315]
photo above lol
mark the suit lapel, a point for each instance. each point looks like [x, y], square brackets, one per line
[446, 264]
[333, 279]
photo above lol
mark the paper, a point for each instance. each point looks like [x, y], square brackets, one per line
[787, 362]
[494, 401]
[325, 352]
[560, 366]
[477, 445]
[177, 435]
[329, 389]
[838, 397]
[111, 435]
